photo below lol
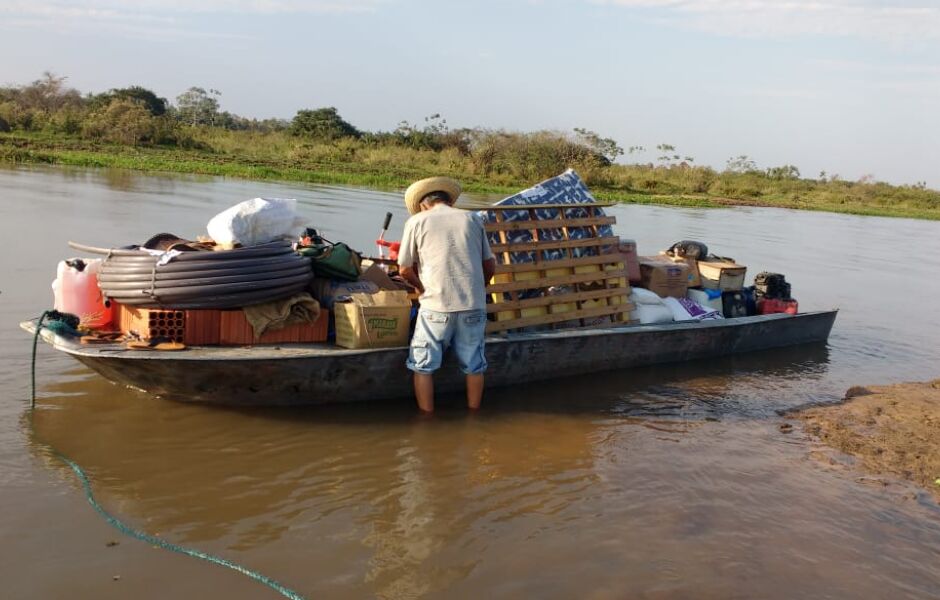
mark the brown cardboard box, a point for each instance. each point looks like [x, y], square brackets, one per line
[380, 320]
[379, 277]
[724, 275]
[695, 279]
[630, 259]
[663, 276]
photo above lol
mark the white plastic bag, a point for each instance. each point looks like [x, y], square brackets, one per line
[256, 221]
[645, 296]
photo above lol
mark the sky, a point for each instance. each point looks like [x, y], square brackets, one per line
[849, 87]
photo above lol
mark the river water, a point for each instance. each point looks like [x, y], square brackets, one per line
[661, 483]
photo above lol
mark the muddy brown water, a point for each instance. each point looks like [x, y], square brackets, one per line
[666, 482]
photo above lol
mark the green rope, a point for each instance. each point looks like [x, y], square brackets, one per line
[136, 533]
[32, 388]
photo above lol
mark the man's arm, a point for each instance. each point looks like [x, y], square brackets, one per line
[489, 260]
[410, 275]
[489, 269]
[408, 257]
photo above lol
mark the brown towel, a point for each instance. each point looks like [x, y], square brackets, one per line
[271, 316]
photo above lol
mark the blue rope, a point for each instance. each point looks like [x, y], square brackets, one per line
[136, 533]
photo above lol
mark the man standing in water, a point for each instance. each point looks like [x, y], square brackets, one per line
[445, 255]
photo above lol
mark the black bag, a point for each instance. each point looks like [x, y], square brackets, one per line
[688, 249]
[733, 304]
[771, 285]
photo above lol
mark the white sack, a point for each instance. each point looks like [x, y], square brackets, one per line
[645, 296]
[686, 309]
[652, 313]
[256, 221]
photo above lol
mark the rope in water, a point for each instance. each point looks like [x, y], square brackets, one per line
[127, 529]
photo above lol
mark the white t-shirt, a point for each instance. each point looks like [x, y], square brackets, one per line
[449, 246]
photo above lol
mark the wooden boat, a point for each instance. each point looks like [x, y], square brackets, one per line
[303, 374]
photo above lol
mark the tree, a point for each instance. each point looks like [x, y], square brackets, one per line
[196, 106]
[47, 94]
[152, 102]
[784, 172]
[741, 164]
[670, 157]
[322, 124]
[607, 148]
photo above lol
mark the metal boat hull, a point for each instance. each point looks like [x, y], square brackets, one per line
[320, 374]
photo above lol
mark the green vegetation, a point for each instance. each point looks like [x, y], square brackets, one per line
[47, 122]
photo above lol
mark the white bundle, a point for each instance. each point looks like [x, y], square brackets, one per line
[256, 221]
[645, 296]
[652, 313]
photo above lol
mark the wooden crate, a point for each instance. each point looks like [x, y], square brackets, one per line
[235, 330]
[586, 290]
[191, 327]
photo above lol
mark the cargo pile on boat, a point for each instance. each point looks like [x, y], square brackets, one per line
[685, 283]
[559, 265]
[257, 279]
[260, 277]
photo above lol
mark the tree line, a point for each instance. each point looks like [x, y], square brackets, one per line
[136, 116]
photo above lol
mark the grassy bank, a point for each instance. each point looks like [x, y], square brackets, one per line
[278, 156]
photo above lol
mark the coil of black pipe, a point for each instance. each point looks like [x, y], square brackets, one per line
[202, 279]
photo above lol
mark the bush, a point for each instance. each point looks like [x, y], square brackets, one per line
[123, 122]
[322, 124]
[530, 156]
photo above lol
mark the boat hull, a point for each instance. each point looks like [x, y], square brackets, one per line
[318, 374]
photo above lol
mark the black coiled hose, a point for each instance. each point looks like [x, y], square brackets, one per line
[202, 279]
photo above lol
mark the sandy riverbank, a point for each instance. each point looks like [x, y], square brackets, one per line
[890, 430]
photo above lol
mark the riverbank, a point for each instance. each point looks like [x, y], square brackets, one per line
[890, 430]
[394, 169]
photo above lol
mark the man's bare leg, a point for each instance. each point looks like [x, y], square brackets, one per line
[424, 392]
[474, 391]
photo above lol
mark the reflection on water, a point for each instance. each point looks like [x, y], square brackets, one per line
[669, 481]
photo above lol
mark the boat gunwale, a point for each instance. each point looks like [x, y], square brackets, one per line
[314, 351]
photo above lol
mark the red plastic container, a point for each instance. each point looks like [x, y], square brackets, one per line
[768, 306]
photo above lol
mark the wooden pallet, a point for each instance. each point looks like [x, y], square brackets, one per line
[586, 287]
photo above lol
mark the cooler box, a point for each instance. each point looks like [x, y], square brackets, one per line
[724, 275]
[707, 298]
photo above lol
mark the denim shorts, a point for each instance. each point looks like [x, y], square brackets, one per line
[435, 332]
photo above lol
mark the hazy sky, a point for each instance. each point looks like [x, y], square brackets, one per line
[847, 86]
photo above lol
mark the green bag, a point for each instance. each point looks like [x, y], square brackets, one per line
[334, 261]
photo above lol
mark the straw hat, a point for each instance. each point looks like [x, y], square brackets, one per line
[419, 189]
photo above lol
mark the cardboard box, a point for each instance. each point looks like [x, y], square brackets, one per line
[235, 330]
[695, 278]
[380, 320]
[379, 277]
[663, 276]
[723, 275]
[630, 259]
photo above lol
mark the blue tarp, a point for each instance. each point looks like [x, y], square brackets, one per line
[566, 188]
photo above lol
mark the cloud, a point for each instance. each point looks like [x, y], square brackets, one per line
[157, 18]
[904, 20]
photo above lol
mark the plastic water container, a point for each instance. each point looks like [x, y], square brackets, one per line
[76, 291]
